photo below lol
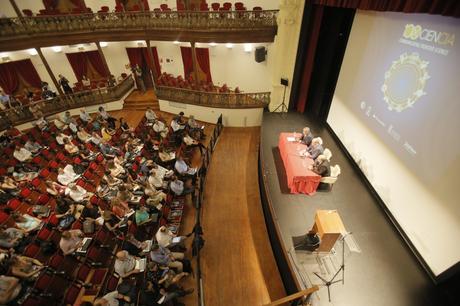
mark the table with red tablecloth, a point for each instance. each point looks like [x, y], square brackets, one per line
[300, 179]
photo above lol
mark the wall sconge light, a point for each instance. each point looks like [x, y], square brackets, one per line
[247, 48]
[103, 44]
[176, 42]
[32, 51]
[213, 44]
[229, 45]
[81, 49]
[140, 43]
[57, 49]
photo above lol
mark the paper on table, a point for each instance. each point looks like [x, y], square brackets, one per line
[290, 139]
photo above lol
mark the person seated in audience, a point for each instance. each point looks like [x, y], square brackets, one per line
[64, 207]
[22, 154]
[9, 186]
[116, 170]
[10, 287]
[11, 237]
[124, 126]
[125, 264]
[26, 222]
[195, 130]
[107, 133]
[164, 238]
[24, 175]
[67, 175]
[77, 193]
[84, 116]
[70, 147]
[192, 143]
[91, 212]
[110, 180]
[306, 136]
[66, 118]
[112, 299]
[41, 123]
[315, 148]
[124, 194]
[160, 128]
[178, 123]
[165, 257]
[106, 117]
[111, 221]
[36, 110]
[54, 188]
[182, 167]
[111, 81]
[134, 246]
[73, 125]
[85, 82]
[33, 146]
[12, 132]
[47, 92]
[82, 135]
[61, 125]
[60, 138]
[150, 115]
[154, 196]
[119, 208]
[321, 166]
[176, 186]
[24, 267]
[96, 138]
[86, 154]
[108, 151]
[70, 241]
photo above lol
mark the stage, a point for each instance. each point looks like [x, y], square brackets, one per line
[385, 272]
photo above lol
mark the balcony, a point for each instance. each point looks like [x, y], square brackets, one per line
[21, 114]
[214, 99]
[197, 26]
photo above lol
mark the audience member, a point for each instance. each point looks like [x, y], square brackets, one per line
[71, 240]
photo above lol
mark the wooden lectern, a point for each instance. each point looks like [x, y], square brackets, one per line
[329, 227]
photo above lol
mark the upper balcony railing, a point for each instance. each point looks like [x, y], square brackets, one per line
[199, 26]
[214, 99]
[21, 114]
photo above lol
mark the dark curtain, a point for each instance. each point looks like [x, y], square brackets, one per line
[78, 61]
[94, 58]
[27, 71]
[202, 58]
[8, 78]
[436, 7]
[155, 64]
[135, 56]
[187, 60]
[314, 26]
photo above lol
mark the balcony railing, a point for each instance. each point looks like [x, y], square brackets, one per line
[109, 23]
[22, 114]
[214, 99]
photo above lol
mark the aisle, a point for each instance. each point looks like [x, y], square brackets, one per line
[238, 264]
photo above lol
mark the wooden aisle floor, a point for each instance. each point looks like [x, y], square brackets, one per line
[238, 266]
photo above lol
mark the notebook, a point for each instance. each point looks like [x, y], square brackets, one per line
[148, 246]
[85, 245]
[140, 264]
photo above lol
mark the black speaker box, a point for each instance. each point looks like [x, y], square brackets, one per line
[260, 54]
[284, 82]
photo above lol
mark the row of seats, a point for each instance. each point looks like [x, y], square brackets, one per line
[169, 80]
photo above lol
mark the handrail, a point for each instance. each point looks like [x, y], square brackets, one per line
[113, 21]
[294, 296]
[21, 114]
[214, 99]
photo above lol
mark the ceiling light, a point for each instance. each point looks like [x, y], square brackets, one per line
[103, 44]
[229, 45]
[32, 51]
[176, 42]
[57, 49]
[247, 48]
[213, 44]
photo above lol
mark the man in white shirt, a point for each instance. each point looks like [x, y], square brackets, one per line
[77, 193]
[60, 138]
[84, 116]
[22, 154]
[150, 115]
[41, 123]
[164, 238]
[32, 146]
[160, 128]
[182, 167]
[125, 264]
[66, 175]
[112, 299]
[176, 186]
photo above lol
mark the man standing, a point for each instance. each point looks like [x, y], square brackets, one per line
[65, 85]
[140, 81]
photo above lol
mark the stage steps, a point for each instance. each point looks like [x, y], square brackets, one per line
[139, 101]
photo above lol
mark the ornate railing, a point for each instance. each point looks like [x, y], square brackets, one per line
[149, 21]
[22, 114]
[214, 99]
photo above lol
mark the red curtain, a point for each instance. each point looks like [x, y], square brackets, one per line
[8, 78]
[155, 64]
[202, 58]
[95, 59]
[436, 7]
[80, 61]
[135, 56]
[187, 60]
[141, 57]
[11, 72]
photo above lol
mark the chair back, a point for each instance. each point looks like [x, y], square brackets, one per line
[328, 154]
[335, 171]
[328, 180]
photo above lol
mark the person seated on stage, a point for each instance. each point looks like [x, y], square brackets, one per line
[67, 175]
[26, 222]
[321, 166]
[165, 257]
[70, 241]
[24, 267]
[33, 146]
[150, 115]
[77, 193]
[178, 124]
[70, 147]
[22, 154]
[315, 148]
[182, 167]
[125, 264]
[82, 135]
[307, 136]
[84, 116]
[60, 138]
[160, 128]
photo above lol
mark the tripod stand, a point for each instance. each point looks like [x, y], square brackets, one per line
[282, 106]
[332, 281]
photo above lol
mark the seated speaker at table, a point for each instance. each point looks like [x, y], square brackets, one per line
[316, 147]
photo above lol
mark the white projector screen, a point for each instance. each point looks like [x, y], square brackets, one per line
[396, 109]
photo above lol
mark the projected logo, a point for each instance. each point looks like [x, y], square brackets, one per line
[405, 82]
[415, 32]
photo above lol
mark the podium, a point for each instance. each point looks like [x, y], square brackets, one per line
[329, 227]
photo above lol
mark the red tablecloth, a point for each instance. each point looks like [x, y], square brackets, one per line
[299, 178]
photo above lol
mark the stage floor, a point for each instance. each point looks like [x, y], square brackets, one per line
[385, 272]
